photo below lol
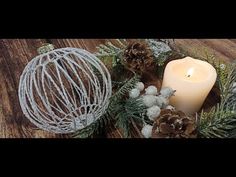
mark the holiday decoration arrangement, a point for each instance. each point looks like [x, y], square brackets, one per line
[148, 83]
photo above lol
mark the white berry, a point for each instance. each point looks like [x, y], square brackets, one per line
[140, 86]
[153, 112]
[151, 90]
[167, 92]
[147, 131]
[149, 100]
[170, 107]
[161, 101]
[134, 93]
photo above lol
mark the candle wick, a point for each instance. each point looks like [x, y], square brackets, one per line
[189, 75]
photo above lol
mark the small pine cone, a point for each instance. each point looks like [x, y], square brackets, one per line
[138, 57]
[174, 124]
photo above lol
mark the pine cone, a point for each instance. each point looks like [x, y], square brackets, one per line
[138, 57]
[174, 124]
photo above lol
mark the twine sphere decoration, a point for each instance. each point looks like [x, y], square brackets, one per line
[64, 90]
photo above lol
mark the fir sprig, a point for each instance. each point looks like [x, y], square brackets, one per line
[123, 109]
[220, 121]
[128, 110]
[222, 70]
[111, 53]
[228, 90]
[123, 90]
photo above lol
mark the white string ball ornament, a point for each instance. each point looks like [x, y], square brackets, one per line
[64, 90]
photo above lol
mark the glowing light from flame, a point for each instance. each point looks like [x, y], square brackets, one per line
[190, 72]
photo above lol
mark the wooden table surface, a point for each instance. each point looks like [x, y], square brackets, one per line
[16, 53]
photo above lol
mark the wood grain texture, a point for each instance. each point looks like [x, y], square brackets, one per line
[223, 49]
[16, 53]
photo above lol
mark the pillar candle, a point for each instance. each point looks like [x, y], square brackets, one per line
[192, 79]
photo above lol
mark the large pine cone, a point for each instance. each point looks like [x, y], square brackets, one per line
[138, 57]
[174, 124]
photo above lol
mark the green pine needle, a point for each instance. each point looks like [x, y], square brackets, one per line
[220, 122]
[110, 53]
[126, 87]
[122, 110]
[128, 110]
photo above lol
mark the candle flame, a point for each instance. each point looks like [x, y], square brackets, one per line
[190, 72]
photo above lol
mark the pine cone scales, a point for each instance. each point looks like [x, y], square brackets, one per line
[174, 124]
[137, 57]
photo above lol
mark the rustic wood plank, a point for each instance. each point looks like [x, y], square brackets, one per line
[87, 44]
[14, 55]
[224, 49]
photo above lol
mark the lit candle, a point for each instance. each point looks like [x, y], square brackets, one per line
[192, 79]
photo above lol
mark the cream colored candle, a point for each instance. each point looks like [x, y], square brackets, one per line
[192, 79]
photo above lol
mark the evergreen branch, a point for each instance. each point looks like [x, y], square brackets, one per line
[126, 88]
[229, 89]
[226, 77]
[218, 123]
[130, 109]
[221, 69]
[123, 110]
[111, 53]
[122, 42]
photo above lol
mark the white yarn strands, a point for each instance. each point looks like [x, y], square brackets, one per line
[64, 90]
